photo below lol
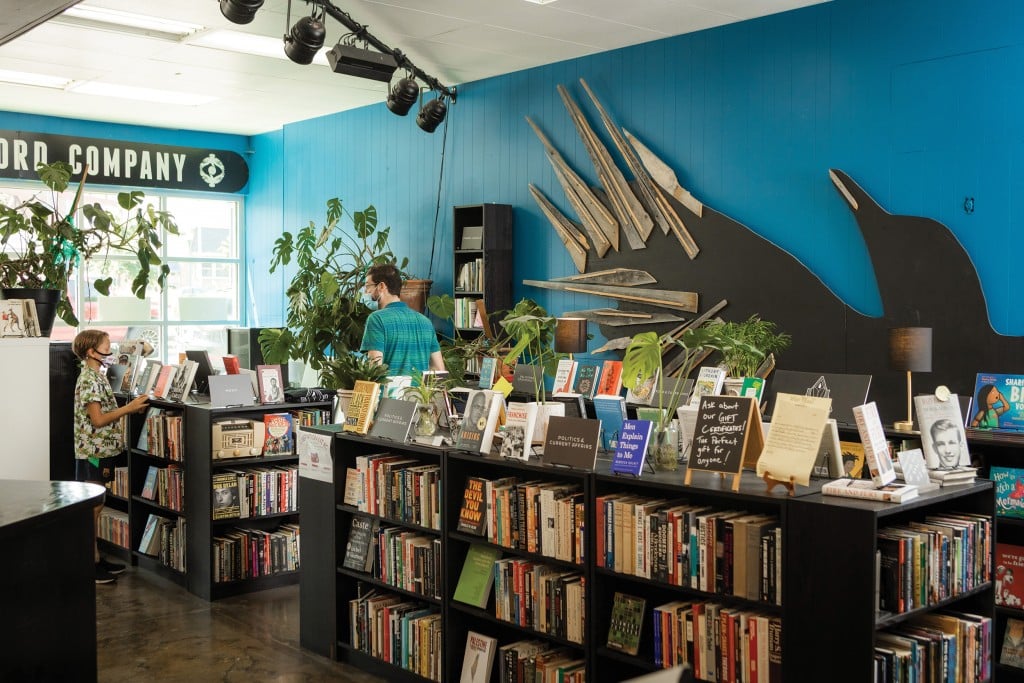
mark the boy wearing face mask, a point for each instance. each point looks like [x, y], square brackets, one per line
[97, 433]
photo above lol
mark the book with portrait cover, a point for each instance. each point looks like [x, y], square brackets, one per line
[626, 623]
[483, 412]
[478, 658]
[1009, 483]
[943, 439]
[225, 495]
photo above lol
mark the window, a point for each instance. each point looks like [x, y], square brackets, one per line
[203, 292]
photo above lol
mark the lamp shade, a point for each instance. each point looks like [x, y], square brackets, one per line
[910, 349]
[571, 335]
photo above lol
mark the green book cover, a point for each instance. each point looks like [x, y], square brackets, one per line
[477, 577]
[626, 622]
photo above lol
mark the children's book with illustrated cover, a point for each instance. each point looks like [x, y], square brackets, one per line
[280, 434]
[1010, 575]
[1013, 644]
[1009, 483]
[998, 402]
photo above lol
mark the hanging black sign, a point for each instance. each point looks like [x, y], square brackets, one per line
[114, 162]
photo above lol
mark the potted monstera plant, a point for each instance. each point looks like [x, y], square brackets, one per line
[41, 245]
[643, 360]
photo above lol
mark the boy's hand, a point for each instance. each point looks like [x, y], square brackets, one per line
[138, 404]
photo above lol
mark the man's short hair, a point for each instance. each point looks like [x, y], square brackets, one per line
[389, 274]
[943, 425]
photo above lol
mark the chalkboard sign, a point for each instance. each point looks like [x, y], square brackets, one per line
[727, 436]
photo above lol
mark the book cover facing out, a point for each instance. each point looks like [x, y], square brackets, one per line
[998, 402]
[572, 441]
[632, 447]
[394, 420]
[1009, 483]
[477, 577]
[1009, 575]
[626, 623]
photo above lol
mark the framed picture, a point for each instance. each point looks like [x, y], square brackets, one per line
[270, 383]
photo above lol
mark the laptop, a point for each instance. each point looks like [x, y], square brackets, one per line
[846, 391]
[231, 390]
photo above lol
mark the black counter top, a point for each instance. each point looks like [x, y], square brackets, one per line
[26, 503]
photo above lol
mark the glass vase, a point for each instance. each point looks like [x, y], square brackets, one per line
[664, 448]
[426, 421]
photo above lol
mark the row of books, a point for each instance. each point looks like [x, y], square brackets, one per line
[721, 643]
[409, 560]
[543, 517]
[311, 417]
[729, 552]
[534, 660]
[165, 486]
[545, 598]
[119, 485]
[255, 492]
[471, 276]
[399, 488]
[161, 434]
[165, 539]
[397, 630]
[249, 553]
[922, 563]
[113, 527]
[466, 314]
[941, 646]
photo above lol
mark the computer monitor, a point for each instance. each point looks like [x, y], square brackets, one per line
[203, 372]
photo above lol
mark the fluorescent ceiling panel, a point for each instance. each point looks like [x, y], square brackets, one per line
[131, 92]
[249, 44]
[26, 78]
[112, 19]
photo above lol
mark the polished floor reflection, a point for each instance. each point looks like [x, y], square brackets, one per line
[149, 629]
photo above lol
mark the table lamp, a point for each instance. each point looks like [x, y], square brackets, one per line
[910, 350]
[571, 336]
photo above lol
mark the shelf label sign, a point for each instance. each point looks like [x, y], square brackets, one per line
[314, 452]
[116, 162]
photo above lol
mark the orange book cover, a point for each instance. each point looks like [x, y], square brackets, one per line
[231, 365]
[611, 378]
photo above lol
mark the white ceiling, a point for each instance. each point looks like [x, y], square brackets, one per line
[456, 41]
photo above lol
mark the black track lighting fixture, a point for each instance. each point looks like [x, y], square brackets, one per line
[403, 95]
[432, 114]
[305, 38]
[240, 11]
[352, 55]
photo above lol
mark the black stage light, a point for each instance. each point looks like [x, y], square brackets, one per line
[305, 40]
[432, 114]
[240, 11]
[403, 95]
[356, 61]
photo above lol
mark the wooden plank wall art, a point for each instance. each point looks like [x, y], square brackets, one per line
[701, 264]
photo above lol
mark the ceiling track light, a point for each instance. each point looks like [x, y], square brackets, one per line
[432, 114]
[240, 11]
[305, 38]
[403, 95]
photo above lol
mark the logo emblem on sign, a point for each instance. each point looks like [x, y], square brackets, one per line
[211, 170]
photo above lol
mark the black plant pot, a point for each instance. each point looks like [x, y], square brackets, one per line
[46, 304]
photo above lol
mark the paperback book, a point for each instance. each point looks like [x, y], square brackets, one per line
[1009, 575]
[863, 488]
[998, 402]
[362, 406]
[709, 382]
[1012, 653]
[585, 383]
[876, 447]
[477, 576]
[279, 433]
[610, 383]
[359, 549]
[472, 518]
[225, 496]
[519, 425]
[478, 658]
[1009, 483]
[564, 376]
[611, 411]
[480, 420]
[943, 439]
[631, 449]
[572, 442]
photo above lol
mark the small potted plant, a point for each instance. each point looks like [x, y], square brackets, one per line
[738, 361]
[643, 360]
[423, 390]
[40, 246]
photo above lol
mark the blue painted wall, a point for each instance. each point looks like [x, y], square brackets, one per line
[916, 99]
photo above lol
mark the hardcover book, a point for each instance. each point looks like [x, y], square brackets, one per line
[487, 368]
[709, 382]
[853, 458]
[626, 623]
[478, 658]
[876, 447]
[998, 402]
[632, 447]
[150, 540]
[564, 376]
[572, 441]
[1009, 483]
[225, 495]
[149, 487]
[483, 411]
[394, 420]
[279, 434]
[231, 364]
[12, 318]
[1012, 653]
[182, 382]
[643, 391]
[477, 576]
[862, 488]
[611, 411]
[610, 383]
[519, 426]
[585, 383]
[359, 549]
[164, 380]
[472, 514]
[943, 439]
[361, 407]
[1009, 575]
[527, 378]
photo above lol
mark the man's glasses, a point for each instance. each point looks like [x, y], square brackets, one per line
[371, 285]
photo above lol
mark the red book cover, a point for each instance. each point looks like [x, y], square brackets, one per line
[1009, 575]
[611, 378]
[231, 365]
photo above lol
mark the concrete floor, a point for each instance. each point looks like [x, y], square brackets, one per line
[149, 629]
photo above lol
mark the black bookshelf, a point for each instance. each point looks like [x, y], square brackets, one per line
[494, 257]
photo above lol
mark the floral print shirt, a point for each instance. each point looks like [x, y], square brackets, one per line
[91, 442]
